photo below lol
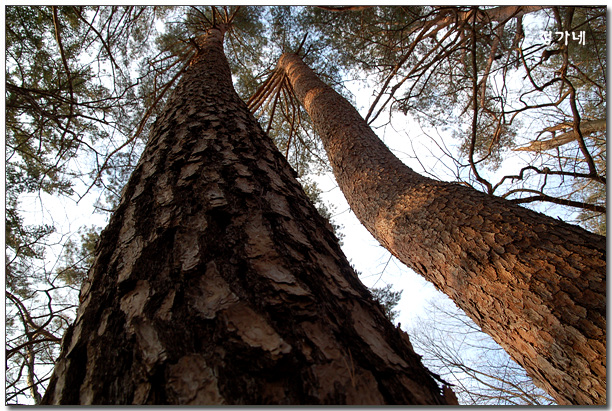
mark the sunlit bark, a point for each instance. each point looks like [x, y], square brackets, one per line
[535, 284]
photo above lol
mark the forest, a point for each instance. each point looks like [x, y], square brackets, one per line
[169, 239]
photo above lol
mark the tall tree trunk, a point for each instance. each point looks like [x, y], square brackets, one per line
[217, 282]
[535, 284]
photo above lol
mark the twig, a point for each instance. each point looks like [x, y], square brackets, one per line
[138, 131]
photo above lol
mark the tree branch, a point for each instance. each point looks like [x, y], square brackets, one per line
[561, 201]
[475, 107]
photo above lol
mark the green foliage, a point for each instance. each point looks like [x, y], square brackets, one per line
[25, 252]
[325, 209]
[388, 299]
[249, 50]
[36, 108]
[368, 39]
[70, 100]
[78, 257]
[59, 102]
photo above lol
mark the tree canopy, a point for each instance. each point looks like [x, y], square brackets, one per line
[513, 100]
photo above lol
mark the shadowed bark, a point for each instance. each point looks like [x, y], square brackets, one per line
[535, 284]
[217, 282]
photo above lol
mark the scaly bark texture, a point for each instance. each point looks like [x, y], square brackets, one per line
[217, 282]
[535, 284]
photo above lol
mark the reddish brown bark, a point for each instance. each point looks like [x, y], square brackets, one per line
[217, 282]
[535, 284]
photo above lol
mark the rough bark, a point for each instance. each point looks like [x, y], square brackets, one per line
[217, 282]
[535, 284]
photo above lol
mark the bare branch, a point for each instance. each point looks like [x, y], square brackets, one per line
[561, 201]
[139, 129]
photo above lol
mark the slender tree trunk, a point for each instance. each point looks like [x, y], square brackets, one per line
[32, 384]
[535, 284]
[217, 282]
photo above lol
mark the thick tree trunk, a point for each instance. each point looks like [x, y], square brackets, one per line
[535, 284]
[217, 282]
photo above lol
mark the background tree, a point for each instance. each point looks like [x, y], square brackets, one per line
[488, 117]
[454, 347]
[61, 113]
[388, 298]
[481, 372]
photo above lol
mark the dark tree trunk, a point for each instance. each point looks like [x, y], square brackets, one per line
[217, 282]
[535, 284]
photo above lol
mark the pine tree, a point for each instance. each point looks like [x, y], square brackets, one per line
[535, 284]
[217, 282]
